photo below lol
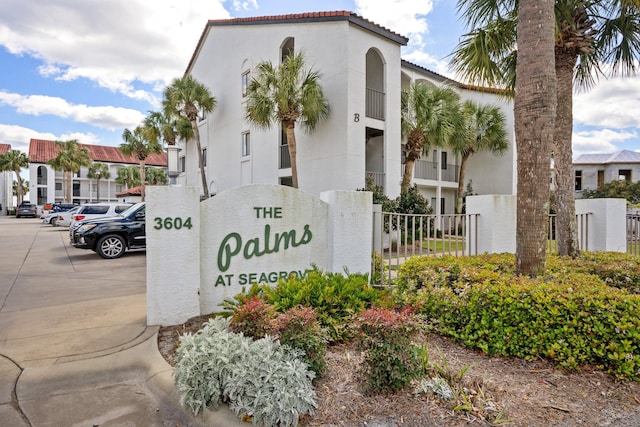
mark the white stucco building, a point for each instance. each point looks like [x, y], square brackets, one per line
[362, 78]
[47, 184]
[592, 171]
[6, 186]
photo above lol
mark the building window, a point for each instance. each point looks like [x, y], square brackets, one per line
[204, 157]
[246, 144]
[624, 174]
[578, 175]
[76, 189]
[245, 83]
[182, 164]
[435, 159]
[58, 186]
[443, 164]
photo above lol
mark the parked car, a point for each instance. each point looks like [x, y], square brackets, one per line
[51, 208]
[64, 218]
[98, 210]
[111, 237]
[26, 209]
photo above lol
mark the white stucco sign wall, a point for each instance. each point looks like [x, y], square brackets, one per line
[259, 233]
[251, 234]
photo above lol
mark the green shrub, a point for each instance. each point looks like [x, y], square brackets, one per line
[572, 318]
[299, 328]
[262, 379]
[336, 298]
[252, 317]
[391, 360]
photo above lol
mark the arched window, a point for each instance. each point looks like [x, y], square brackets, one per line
[375, 85]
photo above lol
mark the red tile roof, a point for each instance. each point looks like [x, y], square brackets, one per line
[41, 151]
[133, 191]
[4, 148]
[300, 18]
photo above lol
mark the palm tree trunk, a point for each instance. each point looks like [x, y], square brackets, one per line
[535, 110]
[408, 174]
[463, 166]
[98, 190]
[203, 176]
[293, 152]
[68, 178]
[566, 233]
[143, 178]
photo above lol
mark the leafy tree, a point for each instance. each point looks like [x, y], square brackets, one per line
[15, 160]
[98, 171]
[140, 143]
[186, 98]
[430, 117]
[591, 37]
[485, 131]
[286, 95]
[167, 128]
[129, 176]
[70, 158]
[156, 176]
[619, 189]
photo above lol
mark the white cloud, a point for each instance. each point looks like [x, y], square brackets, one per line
[113, 43]
[245, 5]
[406, 17]
[105, 117]
[612, 103]
[18, 137]
[600, 140]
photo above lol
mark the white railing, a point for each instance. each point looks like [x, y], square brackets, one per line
[633, 234]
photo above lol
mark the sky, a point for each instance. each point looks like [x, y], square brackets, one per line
[88, 69]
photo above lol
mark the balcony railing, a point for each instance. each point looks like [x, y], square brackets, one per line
[375, 104]
[424, 169]
[285, 159]
[377, 178]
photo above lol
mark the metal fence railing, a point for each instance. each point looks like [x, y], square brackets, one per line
[633, 234]
[582, 228]
[398, 236]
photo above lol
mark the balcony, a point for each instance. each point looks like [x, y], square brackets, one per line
[375, 104]
[424, 169]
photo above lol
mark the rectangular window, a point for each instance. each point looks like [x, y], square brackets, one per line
[204, 157]
[442, 205]
[435, 159]
[443, 164]
[58, 186]
[245, 83]
[578, 176]
[182, 164]
[76, 189]
[624, 174]
[246, 144]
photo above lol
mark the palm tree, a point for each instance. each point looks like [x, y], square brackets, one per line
[187, 98]
[17, 187]
[15, 160]
[588, 34]
[534, 107]
[485, 131]
[70, 158]
[156, 176]
[286, 95]
[430, 117]
[168, 129]
[140, 143]
[98, 171]
[129, 176]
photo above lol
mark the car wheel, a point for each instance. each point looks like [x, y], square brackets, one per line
[111, 246]
[54, 221]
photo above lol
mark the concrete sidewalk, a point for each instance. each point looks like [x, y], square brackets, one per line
[75, 349]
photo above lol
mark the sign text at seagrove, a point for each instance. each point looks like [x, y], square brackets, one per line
[234, 245]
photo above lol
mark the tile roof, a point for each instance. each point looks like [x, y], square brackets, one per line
[133, 191]
[300, 18]
[4, 148]
[41, 151]
[622, 156]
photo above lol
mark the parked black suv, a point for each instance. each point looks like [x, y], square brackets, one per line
[111, 237]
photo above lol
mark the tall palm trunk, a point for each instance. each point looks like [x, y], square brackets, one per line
[68, 178]
[97, 189]
[143, 178]
[409, 163]
[203, 176]
[20, 193]
[463, 166]
[293, 151]
[535, 110]
[566, 233]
